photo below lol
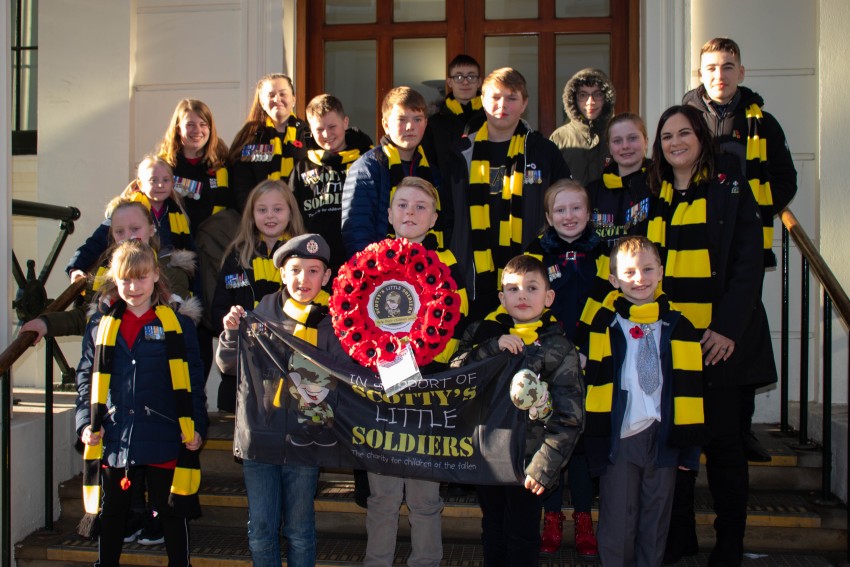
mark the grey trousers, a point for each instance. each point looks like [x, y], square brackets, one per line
[425, 505]
[635, 499]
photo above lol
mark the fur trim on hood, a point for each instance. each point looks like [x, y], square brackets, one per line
[185, 260]
[191, 308]
[589, 77]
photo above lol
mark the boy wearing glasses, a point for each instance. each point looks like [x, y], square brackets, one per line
[589, 98]
[461, 111]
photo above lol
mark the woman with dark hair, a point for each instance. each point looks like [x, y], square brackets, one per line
[707, 226]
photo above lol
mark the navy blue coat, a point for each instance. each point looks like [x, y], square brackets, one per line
[140, 426]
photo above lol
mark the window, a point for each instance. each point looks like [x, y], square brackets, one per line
[360, 49]
[24, 76]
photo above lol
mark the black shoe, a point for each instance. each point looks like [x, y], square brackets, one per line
[673, 554]
[152, 532]
[134, 526]
[754, 450]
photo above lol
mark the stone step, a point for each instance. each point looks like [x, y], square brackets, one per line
[223, 547]
[776, 519]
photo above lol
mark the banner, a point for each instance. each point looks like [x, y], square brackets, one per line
[299, 405]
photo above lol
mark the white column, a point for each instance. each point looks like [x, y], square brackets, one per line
[665, 57]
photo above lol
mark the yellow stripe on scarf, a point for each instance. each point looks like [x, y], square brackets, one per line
[286, 163]
[457, 108]
[612, 181]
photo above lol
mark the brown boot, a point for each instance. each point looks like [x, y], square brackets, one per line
[553, 528]
[585, 540]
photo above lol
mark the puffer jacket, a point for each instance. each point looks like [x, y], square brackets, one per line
[140, 427]
[582, 141]
[549, 445]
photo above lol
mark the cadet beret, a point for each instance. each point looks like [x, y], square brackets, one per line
[304, 246]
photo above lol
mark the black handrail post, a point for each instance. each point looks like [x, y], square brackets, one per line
[784, 352]
[5, 449]
[804, 355]
[826, 465]
[48, 433]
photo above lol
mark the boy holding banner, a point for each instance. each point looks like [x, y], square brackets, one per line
[279, 492]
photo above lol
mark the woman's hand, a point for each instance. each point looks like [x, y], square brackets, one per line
[716, 347]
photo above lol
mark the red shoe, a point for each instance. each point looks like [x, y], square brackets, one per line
[585, 540]
[553, 529]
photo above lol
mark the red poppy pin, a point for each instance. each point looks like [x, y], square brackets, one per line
[721, 177]
[636, 332]
[297, 143]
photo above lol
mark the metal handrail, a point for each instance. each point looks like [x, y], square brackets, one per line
[26, 339]
[819, 267]
[30, 300]
[834, 297]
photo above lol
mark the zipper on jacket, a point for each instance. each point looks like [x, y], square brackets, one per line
[150, 411]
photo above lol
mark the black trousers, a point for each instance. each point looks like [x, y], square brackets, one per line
[510, 525]
[115, 507]
[728, 480]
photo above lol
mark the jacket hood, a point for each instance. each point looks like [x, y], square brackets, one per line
[191, 307]
[355, 139]
[589, 77]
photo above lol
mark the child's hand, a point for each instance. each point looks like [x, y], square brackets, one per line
[534, 486]
[195, 443]
[36, 326]
[90, 438]
[231, 320]
[510, 343]
[582, 359]
[76, 275]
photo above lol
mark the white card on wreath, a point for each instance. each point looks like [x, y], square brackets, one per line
[399, 373]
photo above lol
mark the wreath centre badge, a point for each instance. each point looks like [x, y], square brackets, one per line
[393, 306]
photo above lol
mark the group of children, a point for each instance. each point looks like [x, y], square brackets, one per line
[580, 299]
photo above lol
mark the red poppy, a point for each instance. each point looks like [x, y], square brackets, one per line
[636, 332]
[297, 143]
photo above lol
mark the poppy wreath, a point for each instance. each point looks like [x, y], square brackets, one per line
[394, 259]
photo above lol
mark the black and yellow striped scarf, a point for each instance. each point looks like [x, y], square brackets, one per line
[491, 252]
[283, 149]
[187, 474]
[266, 276]
[759, 178]
[397, 173]
[499, 322]
[682, 235]
[448, 258]
[221, 192]
[178, 222]
[460, 109]
[337, 161]
[303, 319]
[611, 175]
[686, 353]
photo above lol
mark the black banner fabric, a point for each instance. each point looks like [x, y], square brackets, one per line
[299, 405]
